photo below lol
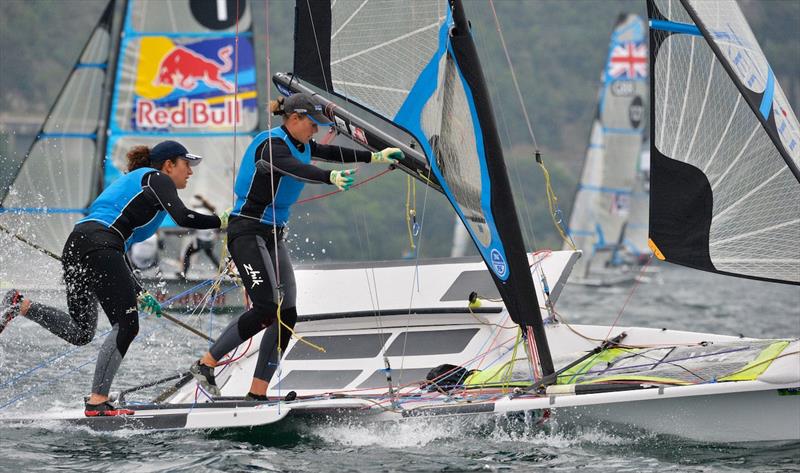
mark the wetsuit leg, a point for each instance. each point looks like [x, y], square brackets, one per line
[208, 249]
[79, 325]
[268, 358]
[187, 257]
[253, 257]
[116, 290]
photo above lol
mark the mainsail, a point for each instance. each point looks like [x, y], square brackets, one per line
[439, 98]
[725, 146]
[172, 70]
[603, 199]
[186, 71]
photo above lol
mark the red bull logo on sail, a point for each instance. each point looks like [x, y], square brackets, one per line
[190, 85]
[184, 69]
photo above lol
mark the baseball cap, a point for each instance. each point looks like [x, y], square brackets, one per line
[172, 149]
[306, 105]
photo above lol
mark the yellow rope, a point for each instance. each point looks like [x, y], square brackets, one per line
[411, 209]
[552, 202]
[506, 378]
[293, 333]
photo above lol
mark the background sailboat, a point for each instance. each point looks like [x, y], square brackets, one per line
[149, 72]
[603, 201]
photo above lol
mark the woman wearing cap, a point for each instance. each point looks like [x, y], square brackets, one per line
[274, 170]
[128, 211]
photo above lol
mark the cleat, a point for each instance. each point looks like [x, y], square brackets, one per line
[205, 376]
[9, 308]
[105, 409]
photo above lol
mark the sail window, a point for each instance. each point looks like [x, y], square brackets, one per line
[339, 347]
[317, 379]
[431, 342]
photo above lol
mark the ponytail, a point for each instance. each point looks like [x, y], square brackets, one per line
[138, 157]
[276, 106]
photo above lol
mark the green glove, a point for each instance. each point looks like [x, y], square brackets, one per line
[342, 179]
[224, 218]
[387, 156]
[149, 304]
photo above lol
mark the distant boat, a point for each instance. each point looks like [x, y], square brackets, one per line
[605, 196]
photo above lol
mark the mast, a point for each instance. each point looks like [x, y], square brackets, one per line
[117, 9]
[518, 290]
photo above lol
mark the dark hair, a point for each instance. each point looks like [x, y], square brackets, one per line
[276, 106]
[139, 157]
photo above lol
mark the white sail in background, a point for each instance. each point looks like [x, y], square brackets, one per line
[603, 200]
[60, 175]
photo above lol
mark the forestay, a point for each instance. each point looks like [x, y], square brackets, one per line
[725, 146]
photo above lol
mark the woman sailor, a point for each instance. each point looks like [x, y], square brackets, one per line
[128, 211]
[274, 170]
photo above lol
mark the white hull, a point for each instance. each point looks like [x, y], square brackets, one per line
[348, 379]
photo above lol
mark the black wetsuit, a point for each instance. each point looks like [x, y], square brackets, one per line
[260, 255]
[95, 269]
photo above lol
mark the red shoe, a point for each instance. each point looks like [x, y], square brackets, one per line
[105, 409]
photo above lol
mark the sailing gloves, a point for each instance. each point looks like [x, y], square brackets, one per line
[149, 304]
[226, 215]
[343, 179]
[387, 156]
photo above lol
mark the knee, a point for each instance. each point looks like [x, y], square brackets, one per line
[289, 316]
[265, 312]
[128, 330]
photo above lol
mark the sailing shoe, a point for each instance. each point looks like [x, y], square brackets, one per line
[205, 376]
[9, 308]
[255, 397]
[105, 409]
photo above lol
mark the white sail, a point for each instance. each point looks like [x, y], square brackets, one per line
[603, 200]
[725, 147]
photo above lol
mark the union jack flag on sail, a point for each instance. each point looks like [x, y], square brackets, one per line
[628, 61]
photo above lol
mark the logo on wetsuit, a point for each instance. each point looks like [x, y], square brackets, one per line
[254, 275]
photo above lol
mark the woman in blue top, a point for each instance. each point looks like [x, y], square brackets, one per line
[275, 167]
[128, 211]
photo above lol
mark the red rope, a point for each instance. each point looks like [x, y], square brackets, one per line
[636, 283]
[316, 197]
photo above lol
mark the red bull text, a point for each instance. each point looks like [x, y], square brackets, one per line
[188, 114]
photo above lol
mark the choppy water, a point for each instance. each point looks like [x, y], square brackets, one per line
[684, 299]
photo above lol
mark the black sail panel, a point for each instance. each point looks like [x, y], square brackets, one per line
[724, 146]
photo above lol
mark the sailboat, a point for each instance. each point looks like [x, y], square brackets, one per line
[384, 326]
[604, 199]
[149, 72]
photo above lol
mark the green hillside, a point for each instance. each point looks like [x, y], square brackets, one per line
[557, 47]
